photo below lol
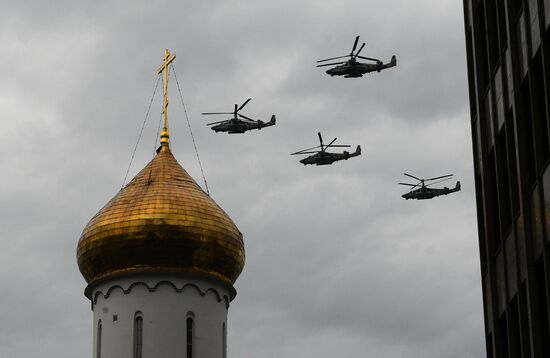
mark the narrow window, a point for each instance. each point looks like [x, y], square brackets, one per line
[224, 340]
[98, 341]
[189, 331]
[138, 336]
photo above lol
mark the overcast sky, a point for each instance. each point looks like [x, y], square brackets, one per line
[338, 264]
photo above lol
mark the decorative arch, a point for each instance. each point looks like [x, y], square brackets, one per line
[219, 297]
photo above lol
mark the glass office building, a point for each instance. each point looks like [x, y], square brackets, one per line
[508, 55]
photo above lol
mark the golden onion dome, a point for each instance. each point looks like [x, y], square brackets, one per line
[162, 221]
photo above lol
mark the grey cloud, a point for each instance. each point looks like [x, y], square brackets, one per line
[337, 262]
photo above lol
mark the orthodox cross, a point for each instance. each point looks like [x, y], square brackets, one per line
[168, 58]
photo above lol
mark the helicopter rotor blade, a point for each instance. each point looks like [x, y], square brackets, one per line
[334, 140]
[250, 119]
[338, 146]
[360, 48]
[217, 113]
[439, 181]
[308, 149]
[244, 104]
[331, 64]
[369, 58]
[302, 152]
[443, 176]
[320, 140]
[413, 185]
[355, 43]
[209, 124]
[412, 176]
[333, 58]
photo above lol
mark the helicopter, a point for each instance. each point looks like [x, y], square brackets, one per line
[428, 193]
[322, 157]
[237, 125]
[353, 68]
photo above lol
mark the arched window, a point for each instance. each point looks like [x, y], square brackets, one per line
[98, 339]
[189, 325]
[138, 335]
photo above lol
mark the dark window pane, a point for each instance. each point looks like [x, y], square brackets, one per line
[542, 305]
[189, 331]
[539, 112]
[138, 337]
[503, 182]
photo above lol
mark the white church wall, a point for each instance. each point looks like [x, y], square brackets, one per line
[164, 302]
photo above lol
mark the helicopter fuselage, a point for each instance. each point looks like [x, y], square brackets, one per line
[353, 68]
[326, 158]
[429, 193]
[233, 126]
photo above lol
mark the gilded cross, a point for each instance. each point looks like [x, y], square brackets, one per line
[168, 58]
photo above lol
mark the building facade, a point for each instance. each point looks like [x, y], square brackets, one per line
[508, 58]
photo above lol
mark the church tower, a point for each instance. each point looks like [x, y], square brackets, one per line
[160, 260]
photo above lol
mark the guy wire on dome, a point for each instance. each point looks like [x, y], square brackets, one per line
[164, 135]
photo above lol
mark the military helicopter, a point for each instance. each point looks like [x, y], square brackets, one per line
[322, 157]
[237, 125]
[428, 193]
[354, 68]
